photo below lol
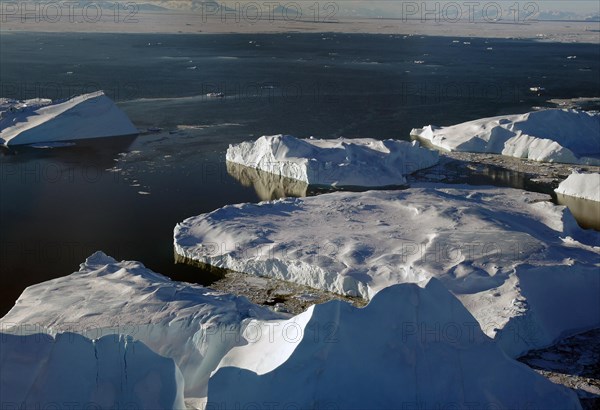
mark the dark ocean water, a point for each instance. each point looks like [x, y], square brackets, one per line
[59, 205]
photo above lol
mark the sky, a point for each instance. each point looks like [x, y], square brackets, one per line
[577, 6]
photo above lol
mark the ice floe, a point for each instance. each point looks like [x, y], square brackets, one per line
[410, 348]
[334, 162]
[552, 135]
[520, 264]
[92, 115]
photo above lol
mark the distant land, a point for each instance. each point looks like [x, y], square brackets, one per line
[206, 17]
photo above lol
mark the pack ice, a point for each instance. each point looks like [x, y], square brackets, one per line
[92, 115]
[409, 348]
[334, 162]
[40, 371]
[553, 135]
[191, 324]
[520, 264]
[586, 186]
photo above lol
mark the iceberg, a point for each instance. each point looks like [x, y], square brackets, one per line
[553, 135]
[68, 370]
[92, 115]
[409, 348]
[489, 246]
[193, 325]
[586, 186]
[338, 162]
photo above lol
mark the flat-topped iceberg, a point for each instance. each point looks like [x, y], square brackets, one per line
[191, 324]
[40, 371]
[509, 255]
[552, 135]
[335, 162]
[586, 186]
[92, 115]
[409, 348]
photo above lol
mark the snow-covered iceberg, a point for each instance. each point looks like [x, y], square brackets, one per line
[586, 186]
[193, 325]
[40, 371]
[410, 348]
[489, 246]
[552, 135]
[92, 115]
[334, 162]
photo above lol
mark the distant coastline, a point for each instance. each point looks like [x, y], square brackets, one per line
[196, 23]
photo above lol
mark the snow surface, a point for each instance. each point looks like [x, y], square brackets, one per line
[552, 135]
[487, 245]
[410, 348]
[189, 323]
[114, 372]
[586, 186]
[92, 115]
[336, 162]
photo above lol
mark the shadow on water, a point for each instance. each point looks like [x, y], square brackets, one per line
[210, 272]
[586, 212]
[270, 186]
[70, 151]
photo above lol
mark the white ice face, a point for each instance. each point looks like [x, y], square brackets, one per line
[43, 371]
[334, 162]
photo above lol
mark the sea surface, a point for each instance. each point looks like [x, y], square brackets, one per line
[124, 196]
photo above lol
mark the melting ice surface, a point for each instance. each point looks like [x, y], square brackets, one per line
[519, 264]
[568, 136]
